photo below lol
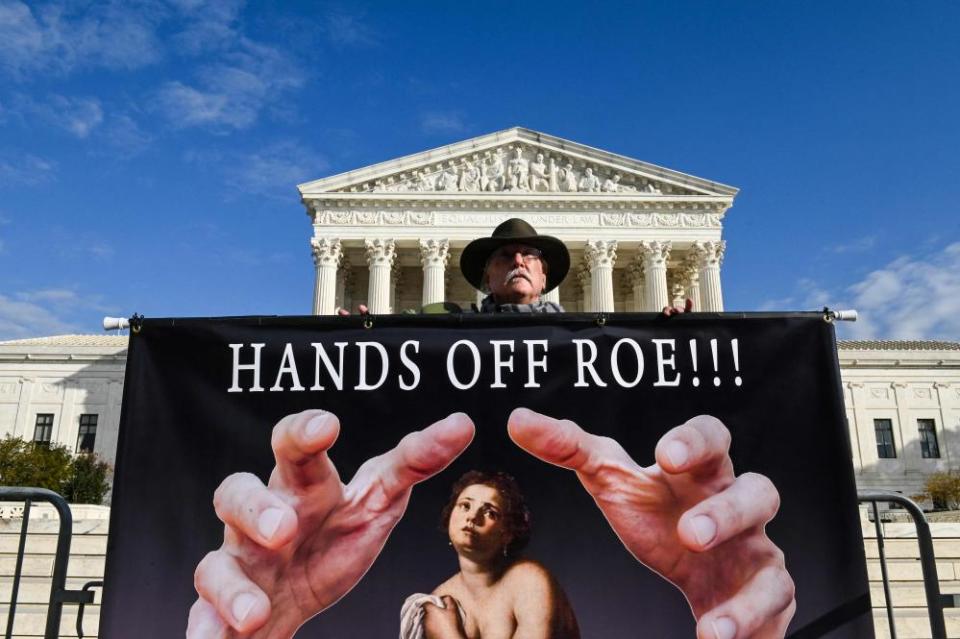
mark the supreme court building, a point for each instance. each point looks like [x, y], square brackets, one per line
[640, 237]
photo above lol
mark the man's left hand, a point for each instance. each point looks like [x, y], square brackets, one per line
[688, 517]
[676, 310]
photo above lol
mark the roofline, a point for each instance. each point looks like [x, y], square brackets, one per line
[484, 142]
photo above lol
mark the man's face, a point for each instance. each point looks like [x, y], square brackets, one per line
[516, 274]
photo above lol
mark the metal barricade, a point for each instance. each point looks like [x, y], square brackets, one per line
[928, 565]
[59, 594]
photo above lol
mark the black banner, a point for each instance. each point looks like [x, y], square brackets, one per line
[202, 397]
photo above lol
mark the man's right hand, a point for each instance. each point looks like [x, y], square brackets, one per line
[294, 547]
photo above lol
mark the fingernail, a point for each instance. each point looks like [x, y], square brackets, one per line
[677, 453]
[314, 425]
[724, 628]
[269, 521]
[242, 605]
[704, 529]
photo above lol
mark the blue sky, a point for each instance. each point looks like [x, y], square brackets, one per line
[149, 151]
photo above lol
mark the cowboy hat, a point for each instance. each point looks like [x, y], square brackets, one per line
[473, 260]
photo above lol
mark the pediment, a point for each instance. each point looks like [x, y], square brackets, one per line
[516, 162]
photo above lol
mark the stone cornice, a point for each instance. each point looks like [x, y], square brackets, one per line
[543, 219]
[514, 200]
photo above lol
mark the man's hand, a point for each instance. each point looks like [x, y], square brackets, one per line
[676, 310]
[687, 517]
[442, 623]
[294, 547]
[362, 309]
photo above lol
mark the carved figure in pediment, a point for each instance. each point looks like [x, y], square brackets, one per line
[492, 178]
[652, 188]
[448, 178]
[518, 172]
[589, 183]
[470, 178]
[611, 184]
[425, 182]
[554, 183]
[568, 178]
[539, 181]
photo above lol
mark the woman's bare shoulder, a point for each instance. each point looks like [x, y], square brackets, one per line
[449, 587]
[529, 573]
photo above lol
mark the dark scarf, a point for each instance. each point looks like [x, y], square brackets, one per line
[488, 305]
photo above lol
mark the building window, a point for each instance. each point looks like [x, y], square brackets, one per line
[87, 434]
[929, 449]
[43, 430]
[884, 431]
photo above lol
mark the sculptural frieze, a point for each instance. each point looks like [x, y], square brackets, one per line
[515, 169]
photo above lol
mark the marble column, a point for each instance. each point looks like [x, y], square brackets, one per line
[21, 423]
[552, 296]
[396, 284]
[909, 462]
[863, 453]
[601, 254]
[942, 431]
[710, 255]
[635, 277]
[380, 257]
[327, 254]
[676, 288]
[691, 271]
[344, 283]
[434, 255]
[655, 255]
[586, 297]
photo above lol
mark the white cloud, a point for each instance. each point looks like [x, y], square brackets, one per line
[46, 312]
[125, 136]
[910, 298]
[857, 245]
[808, 295]
[59, 37]
[442, 122]
[349, 30]
[232, 93]
[275, 170]
[24, 169]
[210, 25]
[75, 115]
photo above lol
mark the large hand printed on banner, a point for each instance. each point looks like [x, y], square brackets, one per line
[687, 517]
[296, 546]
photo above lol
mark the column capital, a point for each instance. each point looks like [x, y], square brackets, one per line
[380, 252]
[709, 253]
[655, 253]
[327, 251]
[434, 252]
[583, 276]
[635, 272]
[600, 253]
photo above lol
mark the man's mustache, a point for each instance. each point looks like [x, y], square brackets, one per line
[517, 272]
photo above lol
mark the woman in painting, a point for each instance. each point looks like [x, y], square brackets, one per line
[496, 593]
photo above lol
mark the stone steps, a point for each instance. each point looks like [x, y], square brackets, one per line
[31, 620]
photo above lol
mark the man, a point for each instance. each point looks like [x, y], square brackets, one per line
[516, 266]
